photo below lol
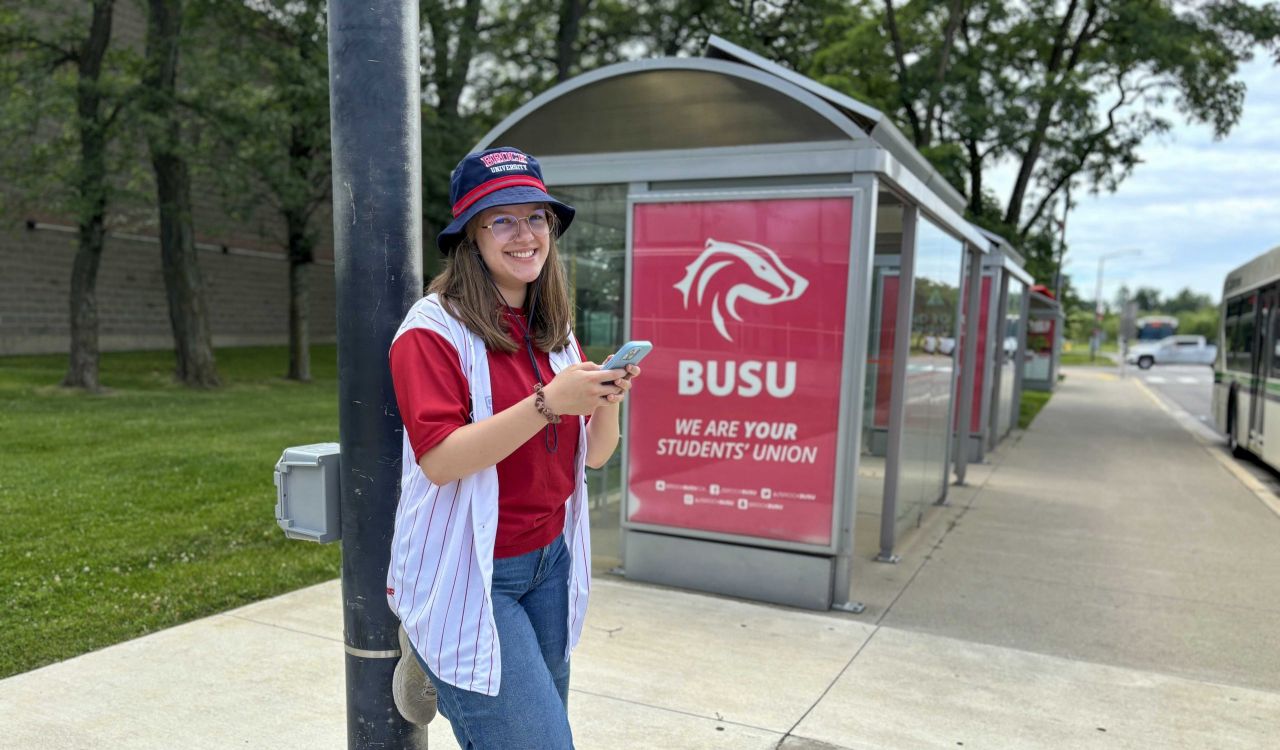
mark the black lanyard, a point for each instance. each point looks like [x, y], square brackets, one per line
[550, 437]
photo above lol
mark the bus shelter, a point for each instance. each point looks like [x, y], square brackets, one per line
[797, 266]
[999, 341]
[975, 317]
[1044, 340]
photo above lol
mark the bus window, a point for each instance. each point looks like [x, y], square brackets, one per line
[1230, 323]
[1275, 345]
[1242, 346]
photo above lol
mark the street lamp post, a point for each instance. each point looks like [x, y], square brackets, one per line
[1095, 343]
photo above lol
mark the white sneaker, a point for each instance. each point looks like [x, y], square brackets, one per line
[411, 689]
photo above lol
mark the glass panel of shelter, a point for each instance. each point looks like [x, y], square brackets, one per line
[980, 396]
[1009, 356]
[1001, 387]
[878, 383]
[594, 256]
[930, 382]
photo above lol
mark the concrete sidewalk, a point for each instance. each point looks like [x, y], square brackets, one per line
[1105, 582]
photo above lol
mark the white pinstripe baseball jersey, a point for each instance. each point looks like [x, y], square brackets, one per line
[441, 568]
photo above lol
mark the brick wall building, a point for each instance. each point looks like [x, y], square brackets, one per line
[243, 262]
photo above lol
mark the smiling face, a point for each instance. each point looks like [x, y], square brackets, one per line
[517, 262]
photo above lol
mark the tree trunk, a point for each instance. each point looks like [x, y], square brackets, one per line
[184, 287]
[975, 177]
[899, 57]
[82, 365]
[83, 360]
[571, 12]
[452, 67]
[299, 321]
[1055, 70]
[300, 260]
[955, 14]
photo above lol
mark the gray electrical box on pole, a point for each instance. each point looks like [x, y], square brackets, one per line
[307, 500]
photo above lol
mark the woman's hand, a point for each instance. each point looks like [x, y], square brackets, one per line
[579, 389]
[602, 431]
[622, 385]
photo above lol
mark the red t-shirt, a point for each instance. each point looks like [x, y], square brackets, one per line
[434, 400]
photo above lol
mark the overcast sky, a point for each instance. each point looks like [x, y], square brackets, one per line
[1196, 207]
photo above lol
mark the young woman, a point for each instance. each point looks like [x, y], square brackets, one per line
[491, 557]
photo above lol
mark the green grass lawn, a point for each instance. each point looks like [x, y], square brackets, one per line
[1082, 358]
[149, 505]
[1032, 403]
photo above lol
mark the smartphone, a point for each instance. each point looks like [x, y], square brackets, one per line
[629, 353]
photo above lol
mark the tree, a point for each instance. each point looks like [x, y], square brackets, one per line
[453, 35]
[1147, 299]
[1080, 322]
[1202, 322]
[188, 313]
[1124, 295]
[533, 45]
[1103, 69]
[1067, 91]
[66, 92]
[259, 86]
[1187, 301]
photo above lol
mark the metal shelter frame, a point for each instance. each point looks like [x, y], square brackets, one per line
[1002, 265]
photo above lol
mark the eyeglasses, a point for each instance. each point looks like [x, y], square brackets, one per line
[506, 228]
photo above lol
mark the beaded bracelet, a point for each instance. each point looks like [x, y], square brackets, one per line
[540, 403]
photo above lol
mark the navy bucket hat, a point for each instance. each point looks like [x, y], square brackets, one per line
[501, 176]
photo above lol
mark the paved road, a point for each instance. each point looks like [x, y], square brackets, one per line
[1188, 386]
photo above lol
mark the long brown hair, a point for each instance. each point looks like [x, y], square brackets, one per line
[471, 297]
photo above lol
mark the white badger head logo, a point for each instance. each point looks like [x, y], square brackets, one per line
[777, 282]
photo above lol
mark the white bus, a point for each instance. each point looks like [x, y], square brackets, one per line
[1155, 328]
[1246, 376]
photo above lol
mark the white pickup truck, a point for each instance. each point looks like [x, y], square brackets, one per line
[1172, 350]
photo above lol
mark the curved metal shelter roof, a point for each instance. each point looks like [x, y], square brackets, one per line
[668, 104]
[878, 127]
[732, 104]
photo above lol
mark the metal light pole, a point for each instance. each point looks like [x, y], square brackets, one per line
[1096, 342]
[377, 221]
[1062, 245]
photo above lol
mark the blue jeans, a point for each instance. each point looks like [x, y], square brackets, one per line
[531, 609]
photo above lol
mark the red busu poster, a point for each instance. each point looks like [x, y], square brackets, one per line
[735, 428]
